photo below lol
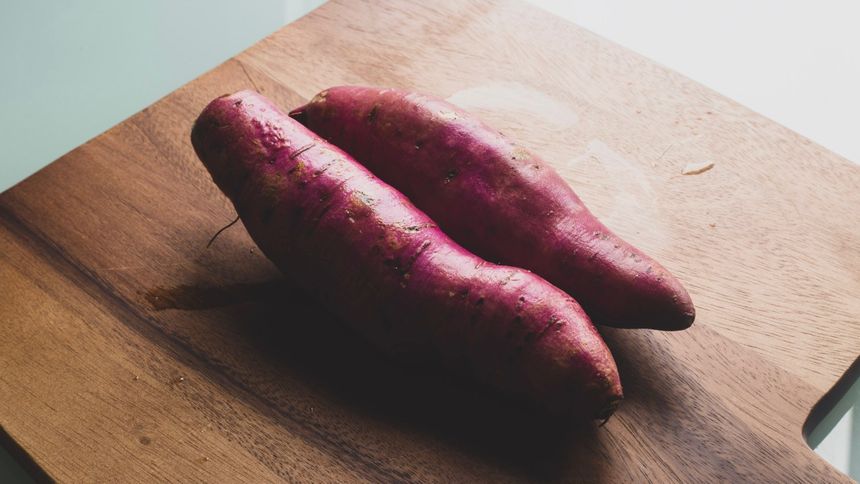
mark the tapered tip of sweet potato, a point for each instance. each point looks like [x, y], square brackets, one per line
[655, 303]
[673, 319]
[597, 408]
[299, 114]
[686, 320]
[676, 312]
[607, 411]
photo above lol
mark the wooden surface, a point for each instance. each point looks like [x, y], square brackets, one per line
[130, 351]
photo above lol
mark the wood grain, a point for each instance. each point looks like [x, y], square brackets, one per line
[131, 352]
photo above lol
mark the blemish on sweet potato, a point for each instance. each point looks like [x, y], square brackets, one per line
[371, 116]
[520, 303]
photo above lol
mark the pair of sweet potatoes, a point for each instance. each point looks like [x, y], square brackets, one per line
[363, 248]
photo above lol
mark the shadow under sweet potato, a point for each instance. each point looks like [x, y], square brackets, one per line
[291, 331]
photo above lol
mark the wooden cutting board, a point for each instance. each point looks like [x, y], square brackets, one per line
[130, 351]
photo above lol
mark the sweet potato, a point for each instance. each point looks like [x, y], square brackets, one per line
[363, 250]
[499, 200]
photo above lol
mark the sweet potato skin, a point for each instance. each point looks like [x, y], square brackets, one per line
[386, 269]
[499, 200]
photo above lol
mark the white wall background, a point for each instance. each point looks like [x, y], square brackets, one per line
[797, 62]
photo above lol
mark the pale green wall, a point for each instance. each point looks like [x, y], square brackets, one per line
[71, 69]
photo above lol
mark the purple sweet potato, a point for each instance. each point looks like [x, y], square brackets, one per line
[499, 200]
[362, 249]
